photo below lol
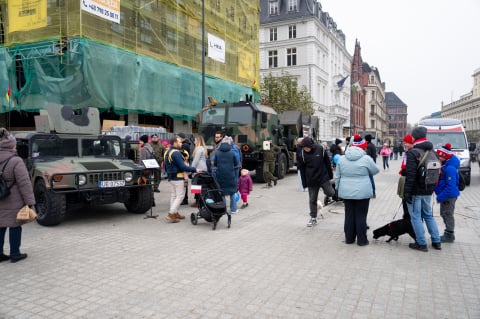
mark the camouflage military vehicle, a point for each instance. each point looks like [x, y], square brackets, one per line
[249, 124]
[71, 165]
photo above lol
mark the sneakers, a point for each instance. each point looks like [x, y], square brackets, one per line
[4, 257]
[15, 258]
[244, 206]
[171, 218]
[156, 190]
[312, 222]
[234, 212]
[418, 247]
[178, 216]
[437, 246]
[447, 237]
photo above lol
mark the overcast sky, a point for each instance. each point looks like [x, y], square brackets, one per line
[425, 50]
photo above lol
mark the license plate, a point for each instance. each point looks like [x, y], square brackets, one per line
[105, 184]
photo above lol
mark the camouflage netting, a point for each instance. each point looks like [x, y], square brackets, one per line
[148, 63]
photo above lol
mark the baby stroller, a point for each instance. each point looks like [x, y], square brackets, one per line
[211, 205]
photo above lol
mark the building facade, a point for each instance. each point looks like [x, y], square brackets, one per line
[127, 57]
[357, 108]
[297, 37]
[467, 109]
[397, 117]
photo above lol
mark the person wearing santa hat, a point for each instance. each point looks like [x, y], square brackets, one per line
[407, 144]
[447, 190]
[353, 183]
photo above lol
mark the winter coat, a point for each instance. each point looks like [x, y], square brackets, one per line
[245, 184]
[372, 151]
[315, 167]
[352, 176]
[158, 151]
[146, 152]
[175, 164]
[447, 186]
[21, 193]
[271, 154]
[413, 184]
[200, 159]
[225, 162]
[385, 151]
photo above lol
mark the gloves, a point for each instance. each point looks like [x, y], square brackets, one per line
[408, 198]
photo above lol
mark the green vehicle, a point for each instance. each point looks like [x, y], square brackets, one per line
[250, 124]
[72, 165]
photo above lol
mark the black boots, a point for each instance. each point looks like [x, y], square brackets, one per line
[447, 237]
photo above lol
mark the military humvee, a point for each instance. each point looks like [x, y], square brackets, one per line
[71, 165]
[249, 124]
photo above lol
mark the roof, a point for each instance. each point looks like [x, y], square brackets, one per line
[290, 117]
[391, 99]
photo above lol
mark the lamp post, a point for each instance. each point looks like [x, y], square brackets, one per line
[203, 54]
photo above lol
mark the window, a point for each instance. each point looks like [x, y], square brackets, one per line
[292, 31]
[292, 5]
[273, 8]
[272, 59]
[291, 56]
[273, 34]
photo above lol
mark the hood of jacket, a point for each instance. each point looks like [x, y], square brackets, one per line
[424, 145]
[225, 147]
[453, 161]
[354, 153]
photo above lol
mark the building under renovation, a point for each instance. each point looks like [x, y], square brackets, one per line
[129, 58]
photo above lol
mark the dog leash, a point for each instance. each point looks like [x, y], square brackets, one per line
[396, 211]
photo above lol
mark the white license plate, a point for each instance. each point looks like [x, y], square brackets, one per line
[105, 184]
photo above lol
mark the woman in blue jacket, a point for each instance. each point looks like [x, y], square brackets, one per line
[447, 190]
[352, 179]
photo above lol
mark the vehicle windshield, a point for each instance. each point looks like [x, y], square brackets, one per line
[438, 139]
[239, 115]
[55, 146]
[214, 116]
[103, 146]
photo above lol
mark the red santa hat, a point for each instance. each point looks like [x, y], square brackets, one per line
[358, 141]
[445, 151]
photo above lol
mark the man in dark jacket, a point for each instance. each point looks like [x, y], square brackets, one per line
[372, 152]
[186, 148]
[418, 195]
[315, 171]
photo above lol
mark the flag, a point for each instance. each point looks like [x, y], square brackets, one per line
[356, 87]
[342, 81]
[196, 189]
[7, 95]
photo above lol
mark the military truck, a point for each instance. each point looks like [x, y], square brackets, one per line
[250, 124]
[72, 165]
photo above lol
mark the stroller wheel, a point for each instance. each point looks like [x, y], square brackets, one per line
[193, 218]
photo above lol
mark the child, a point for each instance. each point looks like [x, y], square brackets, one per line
[244, 186]
[447, 190]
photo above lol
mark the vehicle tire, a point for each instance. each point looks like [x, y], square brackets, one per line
[51, 207]
[282, 166]
[140, 199]
[259, 175]
[467, 180]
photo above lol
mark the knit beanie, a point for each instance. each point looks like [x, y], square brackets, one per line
[7, 141]
[445, 151]
[408, 139]
[358, 141]
[419, 132]
[144, 138]
[307, 142]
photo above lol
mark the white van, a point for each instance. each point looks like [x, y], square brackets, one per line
[443, 130]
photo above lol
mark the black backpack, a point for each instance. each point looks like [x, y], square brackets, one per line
[4, 188]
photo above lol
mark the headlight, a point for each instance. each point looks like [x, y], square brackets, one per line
[128, 176]
[81, 180]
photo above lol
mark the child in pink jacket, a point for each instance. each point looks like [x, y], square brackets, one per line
[385, 153]
[245, 186]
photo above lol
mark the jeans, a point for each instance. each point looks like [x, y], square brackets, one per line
[233, 203]
[15, 238]
[385, 162]
[419, 209]
[373, 183]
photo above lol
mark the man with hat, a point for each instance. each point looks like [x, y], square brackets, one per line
[158, 152]
[315, 171]
[447, 190]
[269, 155]
[418, 195]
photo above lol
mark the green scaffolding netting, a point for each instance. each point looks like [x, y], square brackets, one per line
[98, 75]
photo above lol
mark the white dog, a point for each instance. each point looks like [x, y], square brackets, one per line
[319, 207]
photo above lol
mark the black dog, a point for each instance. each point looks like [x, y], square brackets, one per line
[395, 229]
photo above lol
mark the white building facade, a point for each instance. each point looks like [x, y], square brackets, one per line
[297, 37]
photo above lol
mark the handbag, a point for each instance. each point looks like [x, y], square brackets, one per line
[26, 215]
[401, 186]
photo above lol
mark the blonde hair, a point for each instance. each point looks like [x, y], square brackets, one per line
[200, 142]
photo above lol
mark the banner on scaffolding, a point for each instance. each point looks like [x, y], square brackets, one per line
[27, 15]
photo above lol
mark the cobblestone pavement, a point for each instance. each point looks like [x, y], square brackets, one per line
[107, 263]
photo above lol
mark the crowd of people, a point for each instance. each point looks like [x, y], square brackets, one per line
[342, 172]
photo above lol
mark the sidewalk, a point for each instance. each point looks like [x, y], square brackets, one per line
[107, 263]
